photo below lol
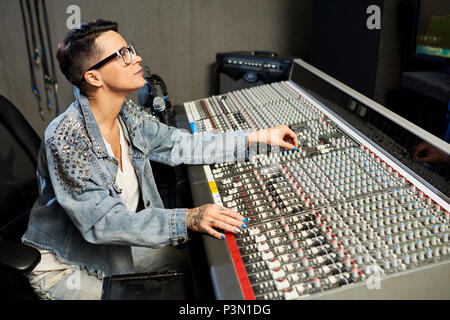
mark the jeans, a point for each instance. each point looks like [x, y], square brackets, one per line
[76, 284]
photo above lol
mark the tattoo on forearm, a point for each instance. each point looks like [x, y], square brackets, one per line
[194, 217]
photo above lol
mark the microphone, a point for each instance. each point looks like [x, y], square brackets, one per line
[159, 107]
[148, 96]
[158, 104]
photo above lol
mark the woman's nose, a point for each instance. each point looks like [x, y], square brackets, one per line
[138, 59]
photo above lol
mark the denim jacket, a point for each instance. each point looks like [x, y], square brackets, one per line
[79, 214]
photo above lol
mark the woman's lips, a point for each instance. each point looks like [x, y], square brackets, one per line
[140, 72]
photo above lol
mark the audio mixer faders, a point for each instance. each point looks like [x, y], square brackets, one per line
[331, 213]
[306, 232]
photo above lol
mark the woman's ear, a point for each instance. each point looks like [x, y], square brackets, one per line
[93, 77]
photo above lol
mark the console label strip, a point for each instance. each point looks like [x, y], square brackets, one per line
[246, 288]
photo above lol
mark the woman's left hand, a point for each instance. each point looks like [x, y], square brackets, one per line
[281, 136]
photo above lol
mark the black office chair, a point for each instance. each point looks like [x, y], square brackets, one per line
[18, 192]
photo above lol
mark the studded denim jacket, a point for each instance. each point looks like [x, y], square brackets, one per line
[79, 214]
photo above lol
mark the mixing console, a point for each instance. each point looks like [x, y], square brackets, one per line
[331, 213]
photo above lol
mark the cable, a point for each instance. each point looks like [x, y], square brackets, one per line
[47, 78]
[30, 62]
[52, 62]
[36, 57]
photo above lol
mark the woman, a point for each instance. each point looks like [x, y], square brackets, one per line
[98, 201]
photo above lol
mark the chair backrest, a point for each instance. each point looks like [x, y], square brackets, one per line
[18, 161]
[18, 127]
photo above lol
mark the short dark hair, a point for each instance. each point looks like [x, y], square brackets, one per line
[77, 50]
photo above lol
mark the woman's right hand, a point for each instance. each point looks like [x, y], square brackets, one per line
[209, 216]
[425, 152]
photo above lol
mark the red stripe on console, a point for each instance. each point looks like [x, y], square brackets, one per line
[239, 266]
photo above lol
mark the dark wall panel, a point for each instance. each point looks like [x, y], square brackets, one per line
[341, 43]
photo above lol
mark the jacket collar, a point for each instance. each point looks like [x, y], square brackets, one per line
[126, 115]
[92, 128]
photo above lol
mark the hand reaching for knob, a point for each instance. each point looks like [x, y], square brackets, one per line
[281, 136]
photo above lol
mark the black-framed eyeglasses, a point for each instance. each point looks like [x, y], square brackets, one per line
[126, 53]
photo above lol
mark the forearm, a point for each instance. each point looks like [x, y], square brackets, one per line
[151, 227]
[202, 148]
[104, 219]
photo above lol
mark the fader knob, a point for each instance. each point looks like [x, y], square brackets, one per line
[316, 283]
[310, 272]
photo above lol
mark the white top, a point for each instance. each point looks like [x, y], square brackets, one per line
[126, 180]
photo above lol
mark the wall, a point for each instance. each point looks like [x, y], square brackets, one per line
[178, 40]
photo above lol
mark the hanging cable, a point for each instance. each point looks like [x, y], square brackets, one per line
[52, 62]
[36, 57]
[30, 62]
[47, 78]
